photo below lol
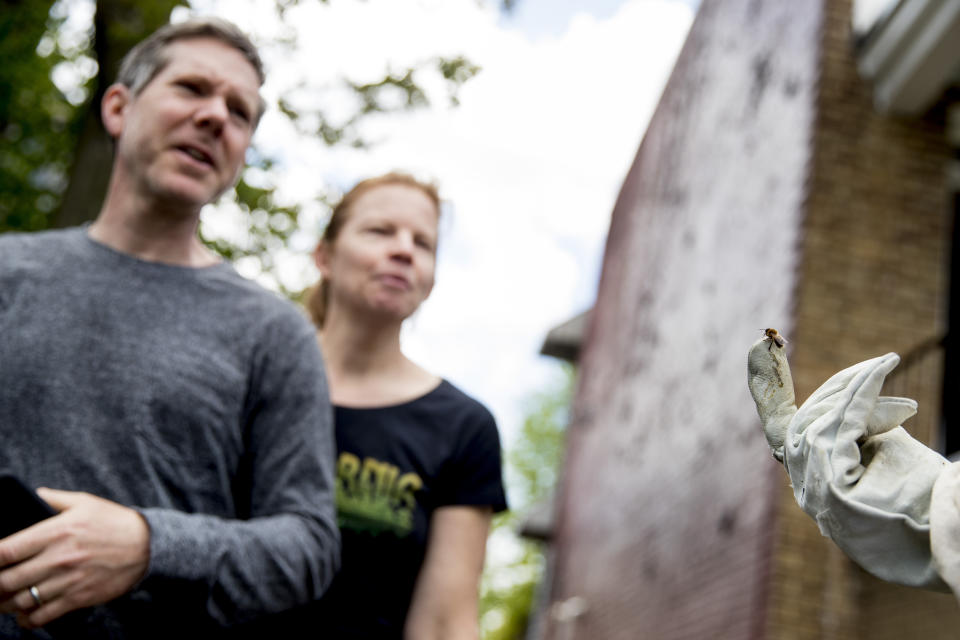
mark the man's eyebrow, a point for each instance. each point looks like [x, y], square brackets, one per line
[252, 102]
[192, 76]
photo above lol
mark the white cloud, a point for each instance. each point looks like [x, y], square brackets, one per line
[532, 159]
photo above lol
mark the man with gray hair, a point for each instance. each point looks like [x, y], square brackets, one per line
[177, 412]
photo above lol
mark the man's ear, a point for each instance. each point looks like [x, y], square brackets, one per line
[113, 108]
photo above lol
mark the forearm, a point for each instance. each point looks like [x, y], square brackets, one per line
[445, 598]
[945, 526]
[245, 568]
[277, 545]
[444, 625]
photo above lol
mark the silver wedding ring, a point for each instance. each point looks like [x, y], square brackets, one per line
[35, 594]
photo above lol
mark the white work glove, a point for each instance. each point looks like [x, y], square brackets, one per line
[945, 526]
[859, 474]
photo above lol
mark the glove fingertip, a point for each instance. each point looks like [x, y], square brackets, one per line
[890, 412]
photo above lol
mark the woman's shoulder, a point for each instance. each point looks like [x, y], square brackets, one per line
[446, 389]
[453, 400]
[441, 398]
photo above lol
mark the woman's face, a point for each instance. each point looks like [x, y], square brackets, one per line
[382, 261]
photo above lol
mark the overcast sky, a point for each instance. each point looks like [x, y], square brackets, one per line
[530, 162]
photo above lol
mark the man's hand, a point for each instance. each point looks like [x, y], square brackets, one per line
[93, 551]
[859, 474]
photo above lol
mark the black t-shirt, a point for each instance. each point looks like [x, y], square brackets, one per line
[395, 466]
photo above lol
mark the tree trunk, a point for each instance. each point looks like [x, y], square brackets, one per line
[119, 24]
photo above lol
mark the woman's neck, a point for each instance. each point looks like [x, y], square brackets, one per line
[356, 349]
[366, 367]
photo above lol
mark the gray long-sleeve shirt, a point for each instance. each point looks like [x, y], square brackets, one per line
[192, 395]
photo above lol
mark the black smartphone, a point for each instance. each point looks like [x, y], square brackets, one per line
[20, 506]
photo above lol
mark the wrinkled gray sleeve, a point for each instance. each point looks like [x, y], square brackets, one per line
[192, 395]
[284, 549]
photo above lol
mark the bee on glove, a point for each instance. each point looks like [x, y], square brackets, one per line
[775, 338]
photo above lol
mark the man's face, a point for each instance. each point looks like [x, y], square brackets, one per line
[183, 138]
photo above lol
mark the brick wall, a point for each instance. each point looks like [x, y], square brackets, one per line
[666, 520]
[767, 192]
[872, 279]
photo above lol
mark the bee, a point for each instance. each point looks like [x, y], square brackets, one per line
[775, 338]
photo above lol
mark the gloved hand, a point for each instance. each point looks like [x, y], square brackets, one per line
[859, 474]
